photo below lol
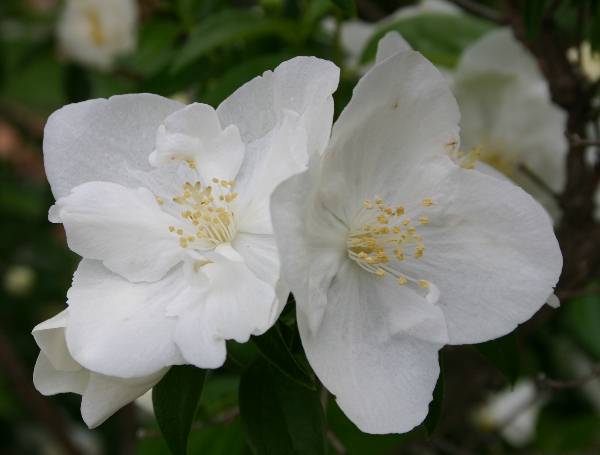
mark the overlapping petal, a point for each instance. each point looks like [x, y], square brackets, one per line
[99, 140]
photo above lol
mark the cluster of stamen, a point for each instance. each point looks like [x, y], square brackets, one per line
[466, 160]
[387, 238]
[208, 210]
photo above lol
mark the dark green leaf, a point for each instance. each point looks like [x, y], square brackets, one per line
[503, 353]
[347, 6]
[278, 415]
[229, 27]
[175, 399]
[239, 74]
[436, 405]
[439, 37]
[533, 12]
[155, 49]
[77, 84]
[582, 319]
[274, 348]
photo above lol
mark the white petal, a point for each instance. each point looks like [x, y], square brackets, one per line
[383, 380]
[303, 85]
[118, 328]
[98, 140]
[195, 133]
[390, 44]
[238, 304]
[124, 228]
[261, 256]
[50, 337]
[302, 229]
[490, 249]
[499, 52]
[48, 380]
[269, 161]
[105, 395]
[401, 111]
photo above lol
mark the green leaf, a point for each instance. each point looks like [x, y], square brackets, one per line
[155, 49]
[533, 12]
[239, 74]
[439, 37]
[347, 6]
[77, 84]
[582, 319]
[175, 399]
[274, 349]
[503, 353]
[278, 415]
[228, 28]
[436, 405]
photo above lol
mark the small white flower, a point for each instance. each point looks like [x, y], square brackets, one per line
[355, 34]
[57, 372]
[392, 250]
[95, 32]
[513, 412]
[507, 115]
[179, 256]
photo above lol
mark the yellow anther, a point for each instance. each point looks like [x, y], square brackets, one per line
[159, 200]
[423, 220]
[179, 231]
[367, 204]
[402, 280]
[171, 228]
[380, 272]
[423, 283]
[399, 211]
[427, 202]
[406, 222]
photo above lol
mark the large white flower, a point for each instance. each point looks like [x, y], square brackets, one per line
[95, 32]
[169, 207]
[508, 116]
[392, 250]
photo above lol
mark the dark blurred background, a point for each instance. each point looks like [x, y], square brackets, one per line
[201, 50]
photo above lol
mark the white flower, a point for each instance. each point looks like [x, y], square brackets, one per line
[508, 116]
[95, 32]
[392, 250]
[57, 372]
[356, 33]
[513, 412]
[180, 256]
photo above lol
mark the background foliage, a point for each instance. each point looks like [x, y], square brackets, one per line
[265, 399]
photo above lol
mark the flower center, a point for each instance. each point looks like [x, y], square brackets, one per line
[497, 157]
[383, 240]
[208, 214]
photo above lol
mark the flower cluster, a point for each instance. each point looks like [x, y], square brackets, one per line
[194, 224]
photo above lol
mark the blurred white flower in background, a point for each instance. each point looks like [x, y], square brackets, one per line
[355, 33]
[169, 207]
[19, 280]
[512, 412]
[393, 250]
[588, 59]
[95, 32]
[507, 117]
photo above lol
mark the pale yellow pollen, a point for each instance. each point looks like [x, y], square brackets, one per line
[159, 200]
[387, 239]
[210, 215]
